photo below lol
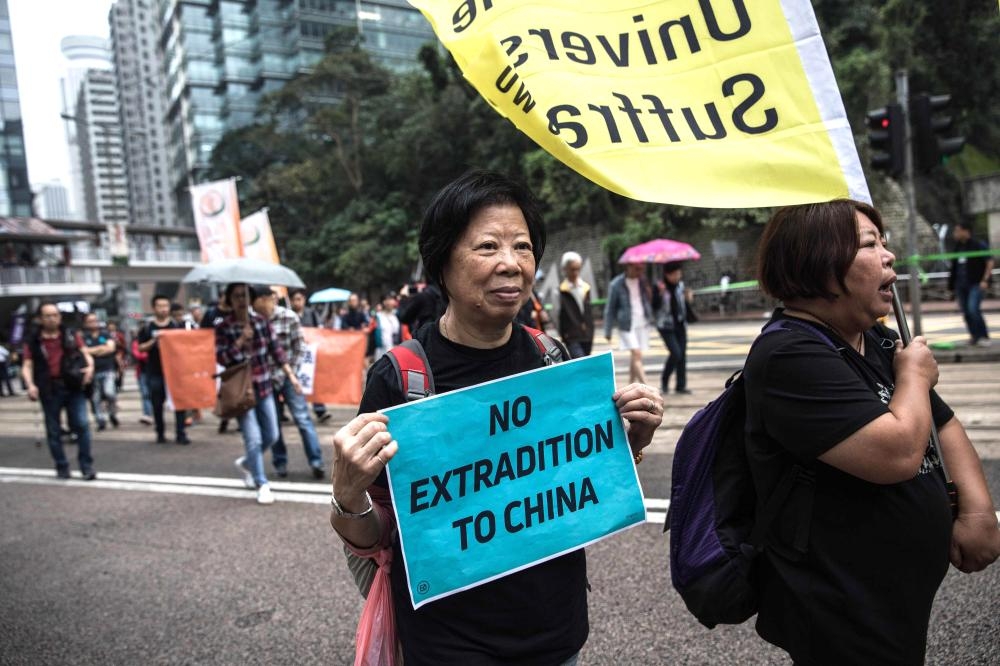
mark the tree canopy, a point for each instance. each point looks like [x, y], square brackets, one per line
[347, 156]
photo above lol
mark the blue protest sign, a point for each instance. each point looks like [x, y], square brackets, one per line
[491, 479]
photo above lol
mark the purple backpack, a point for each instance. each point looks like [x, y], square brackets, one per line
[715, 531]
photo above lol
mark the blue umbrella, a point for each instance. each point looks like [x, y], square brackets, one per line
[330, 295]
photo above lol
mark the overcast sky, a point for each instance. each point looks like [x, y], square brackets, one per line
[38, 26]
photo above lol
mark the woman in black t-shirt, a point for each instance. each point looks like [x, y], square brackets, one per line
[876, 523]
[480, 241]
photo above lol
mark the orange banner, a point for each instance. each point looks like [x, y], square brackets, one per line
[340, 365]
[188, 359]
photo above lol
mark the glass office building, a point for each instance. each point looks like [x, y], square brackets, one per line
[15, 190]
[222, 56]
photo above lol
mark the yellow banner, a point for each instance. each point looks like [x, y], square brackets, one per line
[696, 102]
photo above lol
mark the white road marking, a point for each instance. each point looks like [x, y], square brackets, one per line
[208, 486]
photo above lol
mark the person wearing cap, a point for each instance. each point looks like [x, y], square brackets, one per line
[576, 318]
[287, 331]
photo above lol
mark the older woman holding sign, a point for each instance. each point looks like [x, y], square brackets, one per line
[481, 239]
[855, 557]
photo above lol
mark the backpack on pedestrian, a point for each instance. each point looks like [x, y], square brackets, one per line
[716, 534]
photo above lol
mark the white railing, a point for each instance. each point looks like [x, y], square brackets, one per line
[151, 255]
[36, 275]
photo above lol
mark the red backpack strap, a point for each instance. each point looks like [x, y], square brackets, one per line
[546, 345]
[412, 369]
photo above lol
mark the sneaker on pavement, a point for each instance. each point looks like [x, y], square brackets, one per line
[324, 417]
[114, 420]
[318, 471]
[145, 420]
[983, 342]
[281, 470]
[88, 473]
[160, 439]
[62, 473]
[264, 495]
[183, 440]
[247, 476]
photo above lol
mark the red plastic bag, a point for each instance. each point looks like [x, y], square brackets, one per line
[375, 641]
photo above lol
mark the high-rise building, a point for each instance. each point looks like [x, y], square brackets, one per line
[82, 53]
[142, 102]
[99, 137]
[52, 202]
[15, 191]
[222, 56]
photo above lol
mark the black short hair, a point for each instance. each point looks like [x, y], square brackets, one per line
[157, 297]
[295, 292]
[38, 310]
[454, 206]
[803, 247]
[230, 288]
[176, 307]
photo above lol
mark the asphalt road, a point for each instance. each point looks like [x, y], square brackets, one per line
[166, 559]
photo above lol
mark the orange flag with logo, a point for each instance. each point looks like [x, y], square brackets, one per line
[188, 360]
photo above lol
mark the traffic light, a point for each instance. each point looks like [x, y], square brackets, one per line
[887, 139]
[929, 148]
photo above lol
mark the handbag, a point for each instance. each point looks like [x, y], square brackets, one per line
[71, 369]
[236, 394]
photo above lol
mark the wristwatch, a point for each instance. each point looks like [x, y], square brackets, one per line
[340, 511]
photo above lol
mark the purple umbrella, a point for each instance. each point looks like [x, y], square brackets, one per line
[658, 251]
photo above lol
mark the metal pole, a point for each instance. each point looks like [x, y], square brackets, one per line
[904, 335]
[903, 98]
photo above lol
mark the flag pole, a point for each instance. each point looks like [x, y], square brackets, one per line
[904, 334]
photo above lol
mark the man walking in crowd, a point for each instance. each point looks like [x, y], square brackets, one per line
[308, 318]
[287, 333]
[154, 368]
[576, 318]
[56, 369]
[101, 346]
[970, 278]
[354, 317]
[672, 304]
[419, 306]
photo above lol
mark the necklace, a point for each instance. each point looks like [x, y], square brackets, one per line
[859, 347]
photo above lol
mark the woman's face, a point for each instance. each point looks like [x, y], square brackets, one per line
[491, 268]
[870, 276]
[238, 297]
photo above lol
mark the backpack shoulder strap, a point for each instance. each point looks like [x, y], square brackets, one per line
[546, 345]
[412, 369]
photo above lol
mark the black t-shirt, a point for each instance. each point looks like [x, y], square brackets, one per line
[153, 365]
[876, 553]
[535, 616]
[104, 363]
